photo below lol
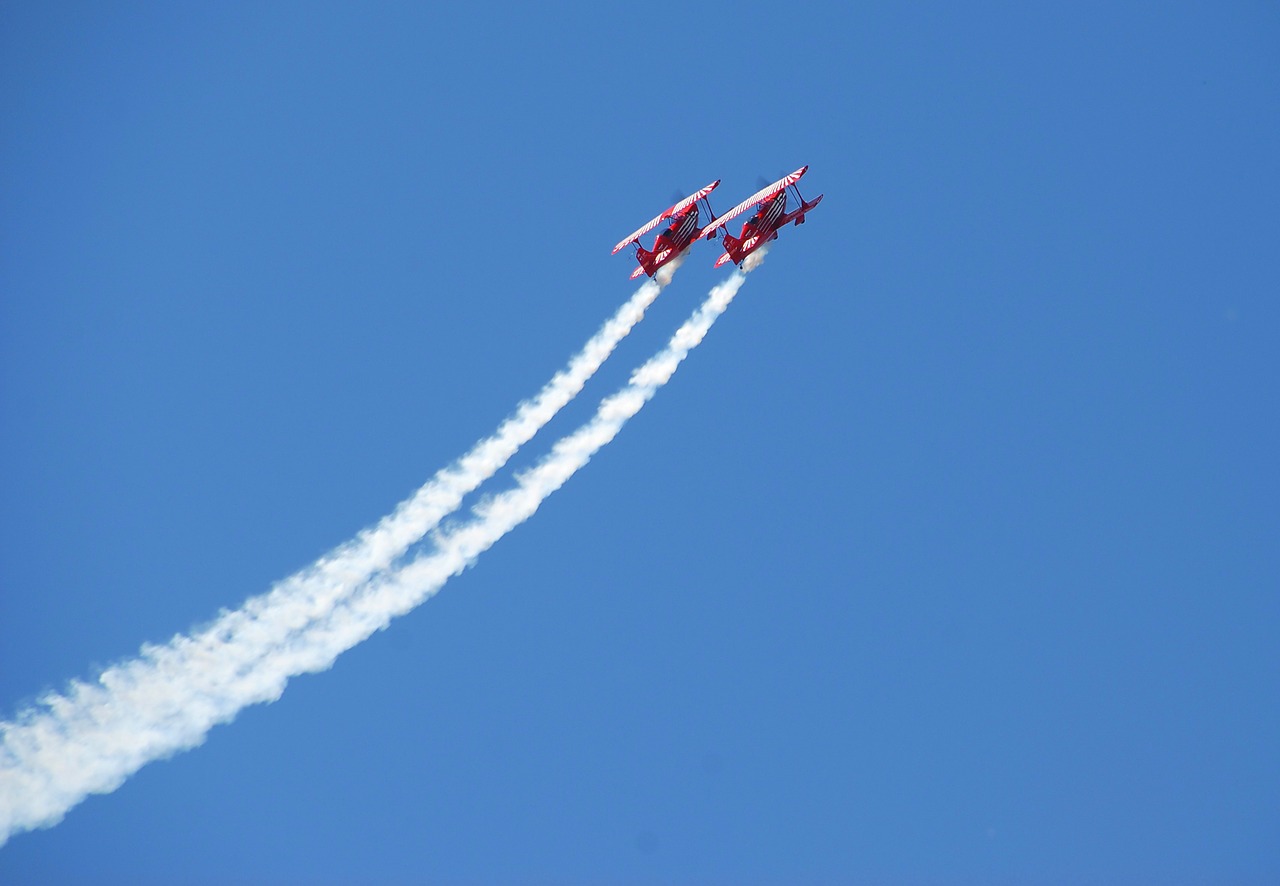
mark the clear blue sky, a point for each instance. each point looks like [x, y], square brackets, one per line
[952, 556]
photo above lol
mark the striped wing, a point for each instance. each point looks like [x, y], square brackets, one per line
[674, 210]
[756, 198]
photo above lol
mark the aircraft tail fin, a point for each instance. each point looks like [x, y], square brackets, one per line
[645, 257]
[732, 245]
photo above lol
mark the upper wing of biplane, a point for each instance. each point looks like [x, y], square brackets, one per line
[758, 197]
[673, 211]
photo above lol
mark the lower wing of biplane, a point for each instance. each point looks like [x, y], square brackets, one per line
[677, 237]
[762, 227]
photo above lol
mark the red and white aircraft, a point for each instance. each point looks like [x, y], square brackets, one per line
[769, 217]
[682, 231]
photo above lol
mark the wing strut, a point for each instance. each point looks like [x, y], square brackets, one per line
[758, 197]
[671, 211]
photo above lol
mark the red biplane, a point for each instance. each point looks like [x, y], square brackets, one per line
[682, 231]
[769, 217]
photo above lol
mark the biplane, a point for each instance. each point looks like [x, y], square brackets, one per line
[771, 214]
[678, 236]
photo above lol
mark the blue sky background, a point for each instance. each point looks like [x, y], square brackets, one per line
[952, 556]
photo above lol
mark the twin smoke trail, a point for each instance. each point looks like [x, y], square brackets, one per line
[93, 736]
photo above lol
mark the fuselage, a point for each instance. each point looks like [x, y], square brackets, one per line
[679, 233]
[671, 242]
[767, 218]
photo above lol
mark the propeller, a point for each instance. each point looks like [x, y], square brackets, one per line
[762, 182]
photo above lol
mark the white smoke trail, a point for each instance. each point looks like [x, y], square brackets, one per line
[91, 738]
[395, 593]
[667, 271]
[311, 592]
[755, 259]
[232, 641]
